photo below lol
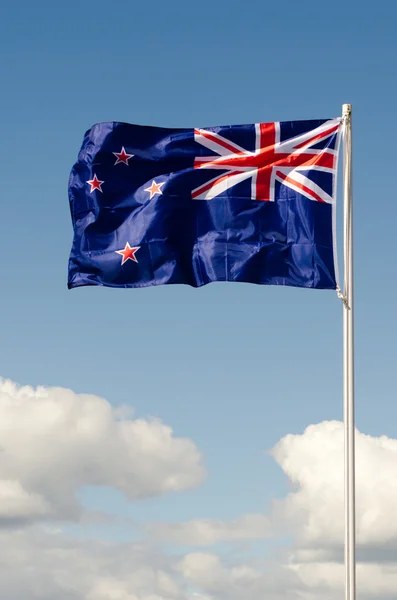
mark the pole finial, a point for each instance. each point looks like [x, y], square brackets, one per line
[346, 110]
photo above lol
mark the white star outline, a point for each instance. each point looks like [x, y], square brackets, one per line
[128, 248]
[93, 182]
[120, 161]
[156, 187]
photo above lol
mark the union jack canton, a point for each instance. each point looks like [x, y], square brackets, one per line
[135, 195]
[279, 155]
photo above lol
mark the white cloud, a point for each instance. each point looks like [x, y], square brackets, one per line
[205, 532]
[243, 581]
[219, 580]
[39, 565]
[314, 464]
[17, 504]
[313, 512]
[375, 581]
[52, 441]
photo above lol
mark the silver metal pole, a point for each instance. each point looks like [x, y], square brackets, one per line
[348, 362]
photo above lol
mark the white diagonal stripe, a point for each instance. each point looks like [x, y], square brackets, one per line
[222, 185]
[303, 180]
[290, 145]
[201, 138]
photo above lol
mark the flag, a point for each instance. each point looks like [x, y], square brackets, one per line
[249, 203]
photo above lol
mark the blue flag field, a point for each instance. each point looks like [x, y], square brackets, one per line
[249, 203]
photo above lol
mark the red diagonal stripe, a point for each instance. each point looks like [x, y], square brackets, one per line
[208, 186]
[302, 187]
[214, 138]
[318, 137]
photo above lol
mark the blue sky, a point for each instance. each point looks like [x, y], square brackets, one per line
[234, 367]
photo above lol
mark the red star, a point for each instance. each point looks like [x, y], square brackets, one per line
[155, 188]
[122, 157]
[95, 184]
[128, 253]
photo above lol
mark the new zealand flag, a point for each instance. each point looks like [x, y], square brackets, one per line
[251, 203]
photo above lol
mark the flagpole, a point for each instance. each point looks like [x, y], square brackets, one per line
[348, 362]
